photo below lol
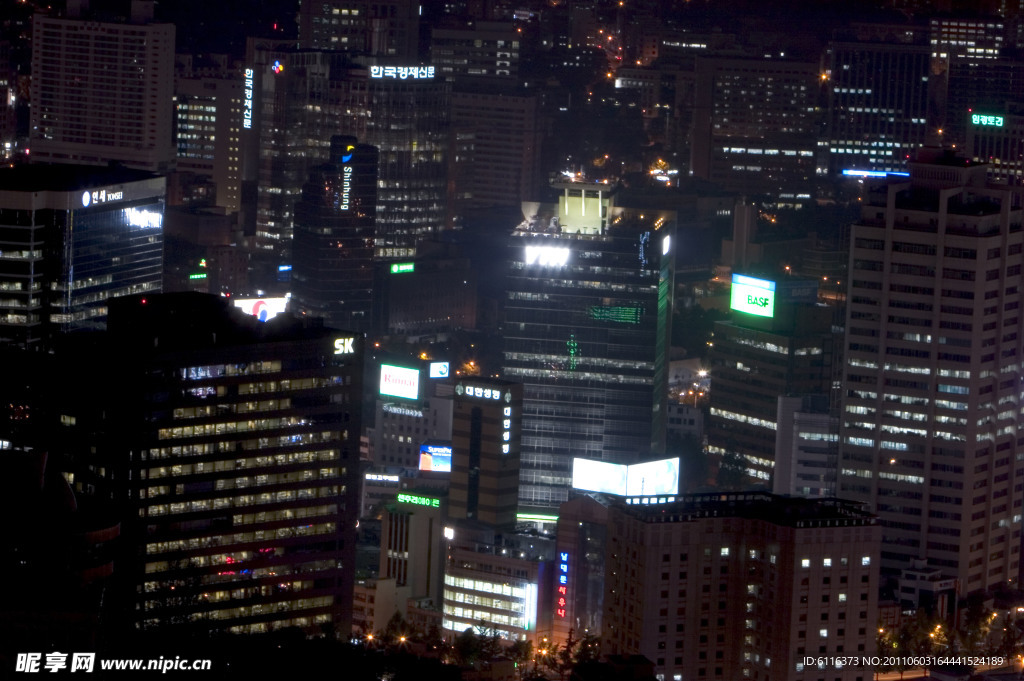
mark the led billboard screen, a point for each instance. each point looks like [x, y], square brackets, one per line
[753, 296]
[399, 382]
[262, 309]
[439, 369]
[599, 476]
[642, 479]
[653, 477]
[436, 458]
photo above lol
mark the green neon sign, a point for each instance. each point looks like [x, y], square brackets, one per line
[753, 296]
[201, 275]
[402, 267]
[623, 315]
[984, 119]
[537, 517]
[419, 501]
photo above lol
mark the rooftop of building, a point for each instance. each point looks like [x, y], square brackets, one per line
[66, 178]
[780, 510]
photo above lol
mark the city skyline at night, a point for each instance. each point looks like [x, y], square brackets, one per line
[494, 340]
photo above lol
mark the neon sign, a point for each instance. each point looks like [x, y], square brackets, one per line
[983, 119]
[563, 584]
[753, 296]
[100, 196]
[346, 186]
[247, 102]
[402, 72]
[343, 346]
[402, 267]
[418, 500]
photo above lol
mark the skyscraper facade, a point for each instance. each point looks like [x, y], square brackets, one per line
[755, 360]
[381, 28]
[586, 332]
[332, 253]
[721, 586]
[485, 452]
[72, 238]
[877, 105]
[931, 390]
[304, 97]
[102, 91]
[230, 448]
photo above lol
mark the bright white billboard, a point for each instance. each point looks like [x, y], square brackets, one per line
[642, 479]
[599, 476]
[399, 382]
[262, 309]
[653, 477]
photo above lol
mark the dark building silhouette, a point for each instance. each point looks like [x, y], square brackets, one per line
[229, 447]
[332, 252]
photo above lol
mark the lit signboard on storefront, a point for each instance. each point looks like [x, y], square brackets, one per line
[437, 458]
[418, 500]
[399, 382]
[753, 296]
[402, 72]
[247, 101]
[547, 256]
[984, 119]
[263, 309]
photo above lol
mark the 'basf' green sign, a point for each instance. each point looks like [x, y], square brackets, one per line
[753, 296]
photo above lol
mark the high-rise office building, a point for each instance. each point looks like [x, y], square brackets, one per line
[209, 122]
[302, 98]
[379, 28]
[484, 50]
[230, 448]
[721, 586]
[485, 452]
[931, 390]
[781, 344]
[586, 332]
[498, 135]
[332, 251]
[74, 237]
[102, 91]
[877, 105]
[768, 149]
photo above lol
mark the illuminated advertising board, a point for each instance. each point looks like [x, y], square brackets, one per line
[247, 101]
[436, 458]
[439, 369]
[403, 267]
[399, 382]
[642, 479]
[652, 478]
[546, 256]
[599, 476]
[984, 119]
[95, 196]
[562, 594]
[417, 500]
[402, 72]
[263, 309]
[753, 296]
